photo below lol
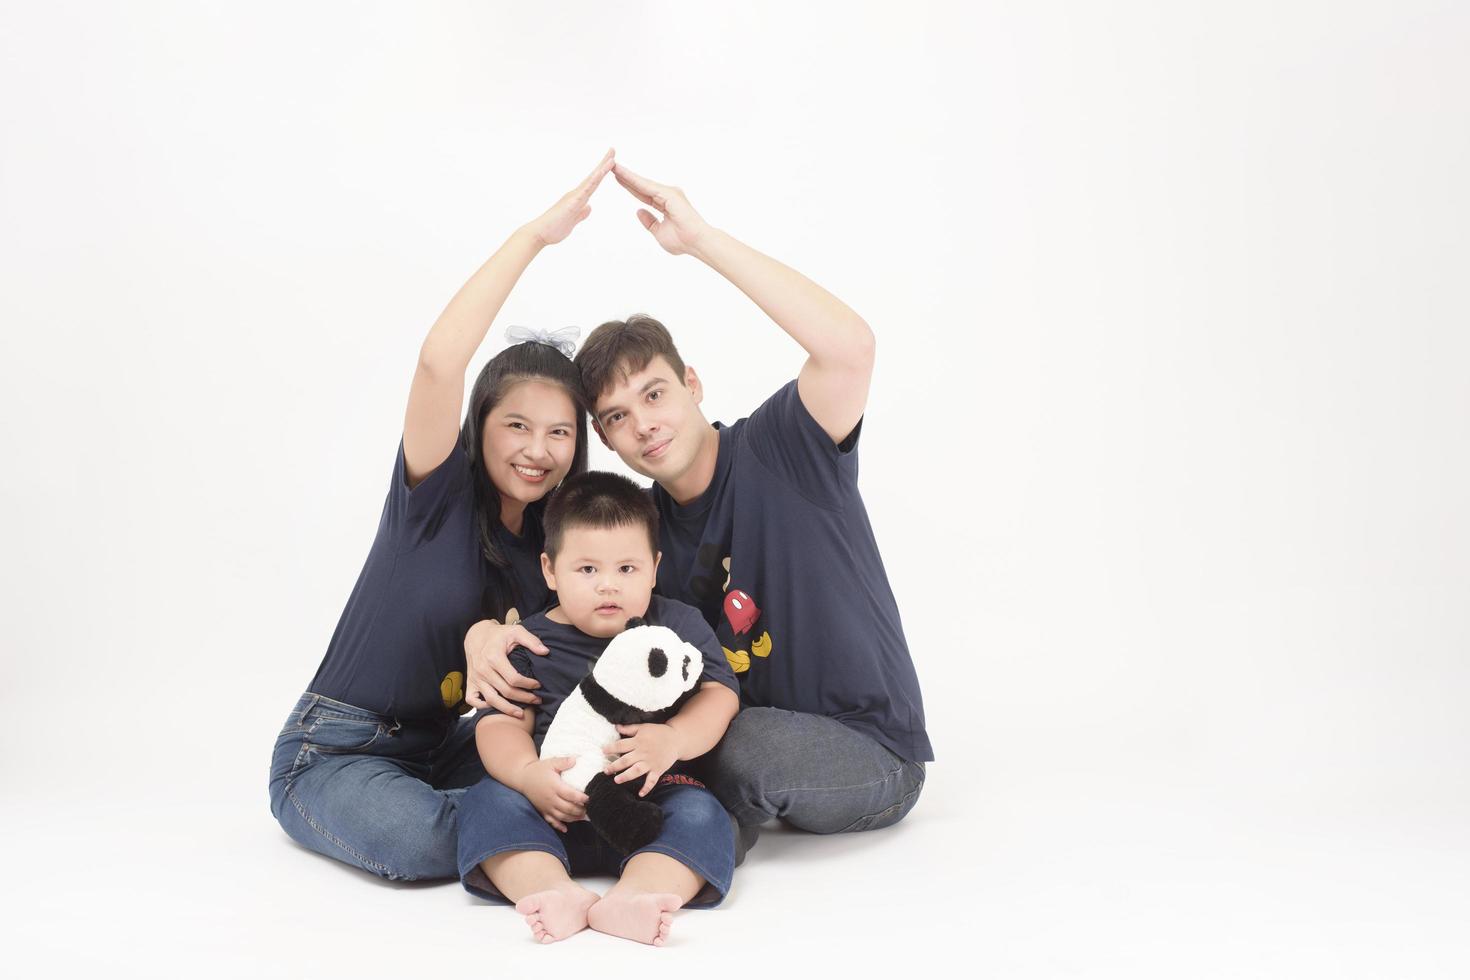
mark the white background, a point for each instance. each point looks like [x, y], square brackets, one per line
[1166, 451]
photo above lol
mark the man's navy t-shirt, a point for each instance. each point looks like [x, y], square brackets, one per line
[779, 556]
[399, 646]
[571, 653]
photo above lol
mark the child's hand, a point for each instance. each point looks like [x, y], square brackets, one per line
[553, 797]
[645, 750]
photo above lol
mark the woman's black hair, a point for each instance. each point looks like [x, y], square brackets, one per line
[529, 361]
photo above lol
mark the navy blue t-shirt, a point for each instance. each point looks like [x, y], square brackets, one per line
[779, 556]
[399, 647]
[571, 654]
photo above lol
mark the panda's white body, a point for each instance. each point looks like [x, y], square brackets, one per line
[626, 674]
[582, 733]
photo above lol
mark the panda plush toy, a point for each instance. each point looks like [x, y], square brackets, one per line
[644, 676]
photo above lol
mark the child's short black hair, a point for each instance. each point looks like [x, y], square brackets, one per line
[598, 500]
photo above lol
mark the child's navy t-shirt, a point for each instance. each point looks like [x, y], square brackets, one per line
[779, 556]
[571, 654]
[399, 647]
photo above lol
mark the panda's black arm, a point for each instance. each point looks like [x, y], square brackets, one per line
[620, 713]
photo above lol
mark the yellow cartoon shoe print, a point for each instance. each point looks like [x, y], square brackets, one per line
[761, 647]
[451, 688]
[739, 660]
[451, 691]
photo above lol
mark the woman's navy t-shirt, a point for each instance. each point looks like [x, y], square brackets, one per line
[779, 556]
[399, 647]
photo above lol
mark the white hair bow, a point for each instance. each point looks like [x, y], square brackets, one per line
[564, 340]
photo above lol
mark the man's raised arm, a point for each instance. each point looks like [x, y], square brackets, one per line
[833, 382]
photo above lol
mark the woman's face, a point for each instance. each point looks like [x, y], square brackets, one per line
[529, 439]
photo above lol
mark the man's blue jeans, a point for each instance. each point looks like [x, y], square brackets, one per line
[363, 788]
[810, 771]
[697, 833]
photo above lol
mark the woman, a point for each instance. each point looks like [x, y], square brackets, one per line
[372, 761]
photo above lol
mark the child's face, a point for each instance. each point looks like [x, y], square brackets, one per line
[602, 576]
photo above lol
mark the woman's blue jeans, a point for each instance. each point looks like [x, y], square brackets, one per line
[370, 791]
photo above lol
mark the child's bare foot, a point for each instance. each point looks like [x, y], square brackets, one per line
[557, 913]
[641, 916]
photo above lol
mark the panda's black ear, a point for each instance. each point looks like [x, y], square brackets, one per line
[635, 621]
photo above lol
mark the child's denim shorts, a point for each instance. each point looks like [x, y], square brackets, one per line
[697, 833]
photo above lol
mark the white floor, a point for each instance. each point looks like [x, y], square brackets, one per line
[171, 874]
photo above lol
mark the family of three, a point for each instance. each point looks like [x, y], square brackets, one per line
[502, 568]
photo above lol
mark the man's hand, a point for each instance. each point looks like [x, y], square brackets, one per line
[559, 220]
[644, 750]
[553, 797]
[489, 677]
[678, 228]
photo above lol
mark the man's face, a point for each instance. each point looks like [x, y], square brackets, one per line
[652, 421]
[602, 576]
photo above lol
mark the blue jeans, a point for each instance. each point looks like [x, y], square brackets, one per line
[370, 791]
[810, 771]
[697, 833]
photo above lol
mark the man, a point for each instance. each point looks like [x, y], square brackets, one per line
[763, 529]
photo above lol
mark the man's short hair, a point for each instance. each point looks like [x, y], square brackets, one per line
[598, 500]
[619, 348]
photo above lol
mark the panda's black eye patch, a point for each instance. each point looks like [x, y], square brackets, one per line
[657, 662]
[686, 668]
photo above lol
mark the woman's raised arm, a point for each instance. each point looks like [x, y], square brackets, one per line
[431, 423]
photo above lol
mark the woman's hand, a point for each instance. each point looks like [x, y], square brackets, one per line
[553, 797]
[644, 750]
[678, 227]
[490, 679]
[559, 220]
